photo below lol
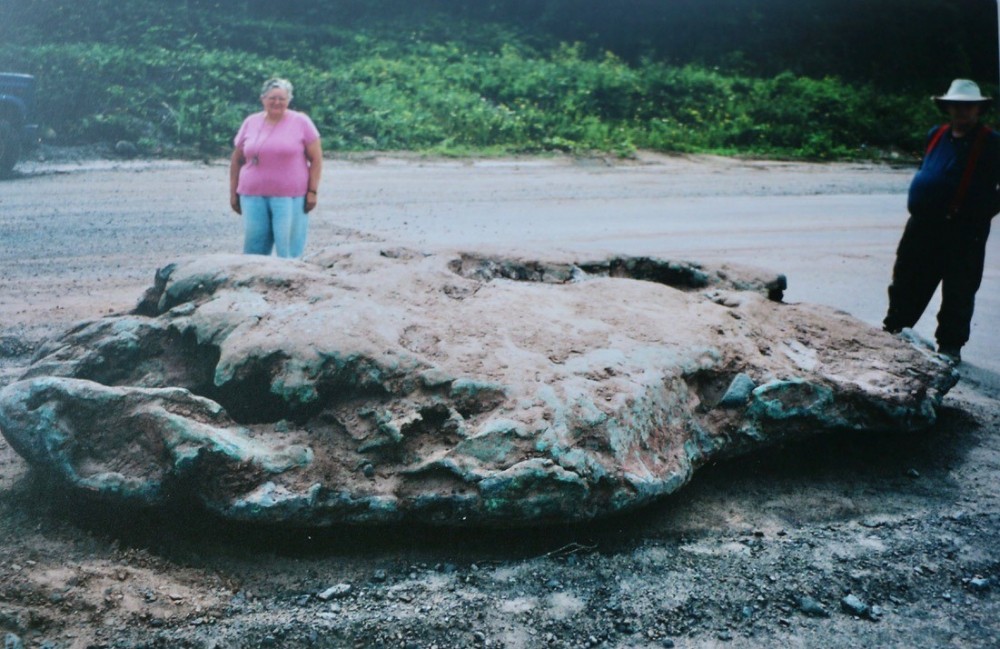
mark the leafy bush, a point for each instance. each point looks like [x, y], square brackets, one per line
[186, 76]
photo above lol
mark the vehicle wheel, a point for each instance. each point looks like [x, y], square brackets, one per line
[10, 148]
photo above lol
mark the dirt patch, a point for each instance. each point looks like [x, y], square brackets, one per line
[761, 551]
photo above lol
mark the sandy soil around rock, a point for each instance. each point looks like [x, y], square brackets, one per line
[757, 552]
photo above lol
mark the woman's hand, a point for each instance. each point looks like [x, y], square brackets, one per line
[314, 153]
[235, 163]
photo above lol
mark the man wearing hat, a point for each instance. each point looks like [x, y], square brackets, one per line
[952, 199]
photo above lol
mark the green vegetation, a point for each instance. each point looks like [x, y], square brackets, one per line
[429, 76]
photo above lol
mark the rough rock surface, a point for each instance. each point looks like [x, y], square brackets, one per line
[376, 385]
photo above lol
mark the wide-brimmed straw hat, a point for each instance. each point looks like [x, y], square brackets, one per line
[965, 91]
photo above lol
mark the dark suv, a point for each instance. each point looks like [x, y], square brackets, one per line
[17, 130]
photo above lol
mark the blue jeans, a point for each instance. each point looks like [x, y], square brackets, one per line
[276, 222]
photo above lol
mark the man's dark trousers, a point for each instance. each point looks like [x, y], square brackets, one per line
[935, 249]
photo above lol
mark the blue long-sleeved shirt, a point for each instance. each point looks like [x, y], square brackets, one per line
[935, 184]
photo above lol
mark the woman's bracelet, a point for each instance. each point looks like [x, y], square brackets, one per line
[311, 191]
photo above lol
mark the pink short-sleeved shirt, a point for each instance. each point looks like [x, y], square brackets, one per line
[276, 163]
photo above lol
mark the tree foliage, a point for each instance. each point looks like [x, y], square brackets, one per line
[814, 78]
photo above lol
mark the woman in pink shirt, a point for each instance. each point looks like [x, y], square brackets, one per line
[274, 174]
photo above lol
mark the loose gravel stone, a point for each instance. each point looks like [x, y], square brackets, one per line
[979, 584]
[812, 608]
[854, 606]
[336, 591]
[11, 641]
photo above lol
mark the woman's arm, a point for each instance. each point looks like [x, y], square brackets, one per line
[235, 163]
[314, 153]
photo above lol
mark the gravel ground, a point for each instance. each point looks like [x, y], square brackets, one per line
[839, 542]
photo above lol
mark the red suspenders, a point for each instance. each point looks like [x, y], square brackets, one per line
[970, 165]
[941, 130]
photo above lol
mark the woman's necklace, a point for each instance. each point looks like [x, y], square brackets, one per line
[256, 159]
